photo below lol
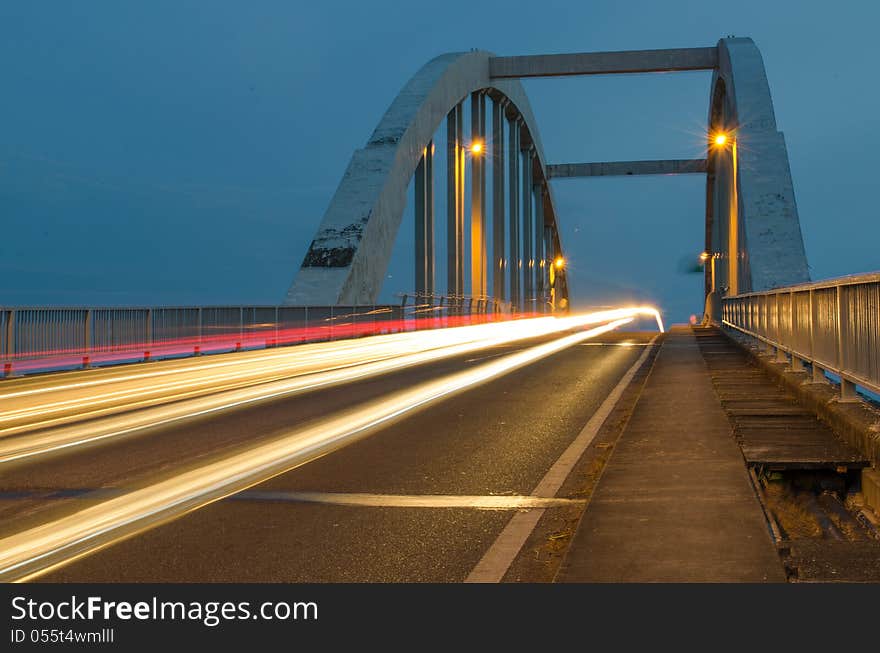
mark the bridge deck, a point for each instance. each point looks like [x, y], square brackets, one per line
[675, 503]
[772, 429]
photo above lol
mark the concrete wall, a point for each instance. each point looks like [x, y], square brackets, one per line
[770, 242]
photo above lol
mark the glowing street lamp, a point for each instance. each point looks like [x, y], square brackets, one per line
[477, 148]
[559, 263]
[721, 138]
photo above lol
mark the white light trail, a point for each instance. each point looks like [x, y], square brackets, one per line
[39, 549]
[200, 392]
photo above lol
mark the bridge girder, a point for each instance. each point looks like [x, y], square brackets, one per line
[348, 257]
[751, 221]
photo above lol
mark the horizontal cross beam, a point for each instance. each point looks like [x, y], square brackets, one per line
[623, 168]
[604, 63]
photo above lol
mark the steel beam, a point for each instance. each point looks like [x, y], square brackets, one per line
[478, 195]
[624, 168]
[424, 227]
[429, 219]
[528, 252]
[549, 256]
[454, 204]
[498, 200]
[604, 63]
[539, 246]
[513, 260]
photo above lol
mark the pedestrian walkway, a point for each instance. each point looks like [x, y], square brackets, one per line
[675, 503]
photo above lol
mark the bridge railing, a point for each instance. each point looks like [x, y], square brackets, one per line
[39, 339]
[475, 305]
[834, 325]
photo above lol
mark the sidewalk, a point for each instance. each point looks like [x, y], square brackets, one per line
[675, 503]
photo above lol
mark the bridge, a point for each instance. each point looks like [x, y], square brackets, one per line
[481, 429]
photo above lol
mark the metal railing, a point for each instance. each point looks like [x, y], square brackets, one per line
[454, 304]
[475, 305]
[833, 324]
[38, 339]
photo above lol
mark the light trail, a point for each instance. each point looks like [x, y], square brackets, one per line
[198, 392]
[35, 551]
[48, 406]
[219, 340]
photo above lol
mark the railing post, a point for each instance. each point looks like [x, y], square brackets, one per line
[87, 339]
[9, 348]
[812, 334]
[148, 331]
[847, 389]
[197, 351]
[240, 342]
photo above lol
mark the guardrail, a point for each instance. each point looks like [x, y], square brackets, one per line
[463, 304]
[834, 325]
[39, 339]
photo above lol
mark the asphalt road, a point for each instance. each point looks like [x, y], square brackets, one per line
[499, 438]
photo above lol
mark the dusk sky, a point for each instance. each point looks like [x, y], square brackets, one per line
[178, 152]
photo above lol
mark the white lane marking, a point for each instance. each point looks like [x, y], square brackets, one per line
[482, 358]
[616, 344]
[488, 502]
[497, 560]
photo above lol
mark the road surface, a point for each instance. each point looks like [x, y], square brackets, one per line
[406, 503]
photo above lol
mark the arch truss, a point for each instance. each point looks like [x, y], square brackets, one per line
[753, 234]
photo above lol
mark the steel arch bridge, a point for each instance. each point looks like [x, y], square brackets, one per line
[753, 234]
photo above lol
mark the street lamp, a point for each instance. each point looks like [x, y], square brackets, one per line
[711, 257]
[477, 148]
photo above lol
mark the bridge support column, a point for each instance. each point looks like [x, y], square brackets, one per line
[424, 252]
[540, 262]
[514, 261]
[478, 195]
[498, 200]
[549, 257]
[528, 254]
[454, 204]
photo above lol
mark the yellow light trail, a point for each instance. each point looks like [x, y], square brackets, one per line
[35, 551]
[59, 424]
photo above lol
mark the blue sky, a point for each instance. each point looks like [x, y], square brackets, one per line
[184, 152]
